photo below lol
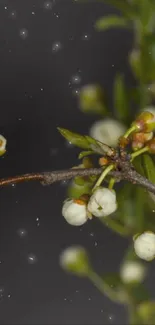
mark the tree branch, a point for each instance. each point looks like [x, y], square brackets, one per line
[48, 178]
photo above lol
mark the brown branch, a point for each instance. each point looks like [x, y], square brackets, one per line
[48, 178]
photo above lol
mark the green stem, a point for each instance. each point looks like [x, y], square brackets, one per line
[133, 317]
[111, 183]
[102, 176]
[139, 152]
[102, 286]
[115, 226]
[129, 131]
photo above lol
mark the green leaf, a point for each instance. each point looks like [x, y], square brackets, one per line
[149, 167]
[131, 212]
[86, 142]
[137, 293]
[85, 154]
[146, 16]
[121, 100]
[138, 164]
[112, 21]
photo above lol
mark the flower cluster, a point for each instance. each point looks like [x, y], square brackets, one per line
[141, 133]
[100, 204]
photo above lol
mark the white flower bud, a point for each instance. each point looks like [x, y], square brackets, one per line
[144, 246]
[75, 259]
[102, 202]
[3, 143]
[107, 131]
[150, 109]
[75, 212]
[132, 271]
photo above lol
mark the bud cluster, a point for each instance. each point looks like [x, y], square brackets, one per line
[141, 133]
[100, 204]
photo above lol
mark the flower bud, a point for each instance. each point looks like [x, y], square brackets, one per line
[107, 131]
[102, 202]
[91, 99]
[145, 122]
[151, 146]
[3, 143]
[103, 161]
[144, 245]
[139, 139]
[87, 162]
[75, 259]
[75, 212]
[150, 109]
[132, 272]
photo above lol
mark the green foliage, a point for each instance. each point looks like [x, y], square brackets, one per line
[149, 167]
[86, 142]
[121, 98]
[109, 22]
[134, 214]
[85, 154]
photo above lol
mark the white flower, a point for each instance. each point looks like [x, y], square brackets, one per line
[74, 212]
[102, 202]
[132, 271]
[107, 131]
[144, 246]
[75, 259]
[150, 109]
[3, 142]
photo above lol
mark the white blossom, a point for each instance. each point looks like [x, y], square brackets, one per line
[74, 212]
[75, 259]
[150, 109]
[107, 131]
[3, 143]
[132, 271]
[102, 202]
[144, 245]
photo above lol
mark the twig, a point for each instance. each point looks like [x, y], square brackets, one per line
[48, 178]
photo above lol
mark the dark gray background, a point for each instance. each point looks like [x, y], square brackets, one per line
[41, 293]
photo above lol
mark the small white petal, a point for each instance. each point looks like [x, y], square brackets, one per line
[144, 246]
[69, 255]
[3, 142]
[150, 109]
[107, 131]
[75, 259]
[75, 214]
[132, 271]
[102, 202]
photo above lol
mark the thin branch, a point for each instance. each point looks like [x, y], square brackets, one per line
[48, 178]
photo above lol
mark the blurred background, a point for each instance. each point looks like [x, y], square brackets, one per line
[48, 50]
